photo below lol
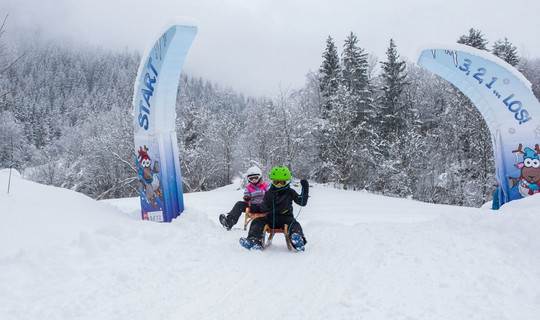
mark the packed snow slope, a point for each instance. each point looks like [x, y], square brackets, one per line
[66, 256]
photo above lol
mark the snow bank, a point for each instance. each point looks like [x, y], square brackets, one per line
[368, 257]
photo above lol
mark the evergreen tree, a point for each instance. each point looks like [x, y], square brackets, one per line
[330, 72]
[329, 82]
[363, 137]
[392, 113]
[474, 39]
[506, 51]
[357, 82]
[393, 125]
[355, 66]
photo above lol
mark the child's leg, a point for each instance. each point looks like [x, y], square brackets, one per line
[256, 229]
[236, 212]
[294, 228]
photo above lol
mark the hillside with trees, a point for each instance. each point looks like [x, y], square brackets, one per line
[387, 127]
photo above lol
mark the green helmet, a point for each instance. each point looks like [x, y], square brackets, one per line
[280, 173]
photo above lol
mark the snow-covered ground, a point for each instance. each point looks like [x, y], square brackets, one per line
[66, 256]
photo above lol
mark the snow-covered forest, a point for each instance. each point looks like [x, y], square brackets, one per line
[360, 122]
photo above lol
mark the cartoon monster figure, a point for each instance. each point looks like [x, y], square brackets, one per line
[149, 183]
[529, 181]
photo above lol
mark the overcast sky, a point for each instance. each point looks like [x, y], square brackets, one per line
[259, 47]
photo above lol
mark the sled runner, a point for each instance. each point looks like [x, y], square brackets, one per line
[268, 235]
[250, 216]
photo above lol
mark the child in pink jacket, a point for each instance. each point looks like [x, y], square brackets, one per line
[253, 197]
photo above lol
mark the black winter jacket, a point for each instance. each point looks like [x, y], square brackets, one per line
[279, 201]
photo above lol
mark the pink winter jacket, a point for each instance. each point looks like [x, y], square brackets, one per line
[255, 193]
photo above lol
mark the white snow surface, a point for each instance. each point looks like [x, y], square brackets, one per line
[66, 256]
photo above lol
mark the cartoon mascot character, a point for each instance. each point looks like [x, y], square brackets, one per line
[149, 184]
[529, 181]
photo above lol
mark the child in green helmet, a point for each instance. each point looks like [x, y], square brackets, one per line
[277, 202]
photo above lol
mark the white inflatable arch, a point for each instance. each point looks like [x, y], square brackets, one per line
[505, 99]
[154, 101]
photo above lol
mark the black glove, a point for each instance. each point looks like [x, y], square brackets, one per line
[305, 186]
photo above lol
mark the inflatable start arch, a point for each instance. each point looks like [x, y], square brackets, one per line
[156, 150]
[505, 99]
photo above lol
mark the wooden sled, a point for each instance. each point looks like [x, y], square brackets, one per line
[250, 216]
[268, 235]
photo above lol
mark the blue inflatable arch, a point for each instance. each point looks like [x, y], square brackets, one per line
[505, 99]
[154, 103]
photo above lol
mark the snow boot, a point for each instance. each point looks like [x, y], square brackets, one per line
[223, 220]
[250, 244]
[297, 242]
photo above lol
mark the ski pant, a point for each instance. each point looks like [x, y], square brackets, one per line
[236, 212]
[257, 226]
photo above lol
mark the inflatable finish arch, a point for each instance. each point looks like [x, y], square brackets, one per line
[156, 150]
[505, 99]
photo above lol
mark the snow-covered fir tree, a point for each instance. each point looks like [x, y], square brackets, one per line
[474, 39]
[391, 111]
[330, 72]
[330, 77]
[505, 50]
[393, 125]
[357, 85]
